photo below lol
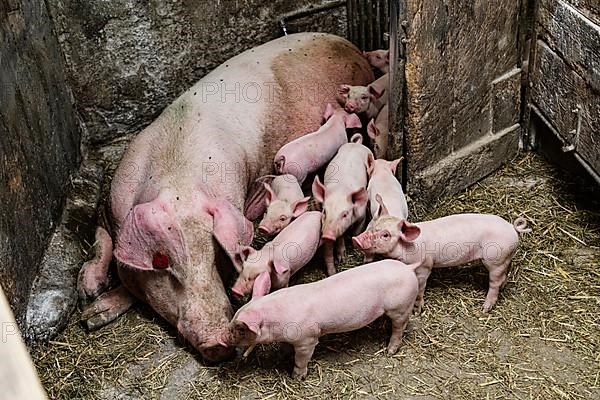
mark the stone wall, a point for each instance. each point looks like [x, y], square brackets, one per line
[39, 143]
[128, 59]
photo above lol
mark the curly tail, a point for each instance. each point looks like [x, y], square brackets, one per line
[520, 225]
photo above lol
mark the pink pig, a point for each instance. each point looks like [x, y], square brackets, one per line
[273, 265]
[379, 59]
[344, 196]
[310, 152]
[383, 182]
[365, 100]
[285, 201]
[447, 242]
[383, 185]
[347, 301]
[378, 130]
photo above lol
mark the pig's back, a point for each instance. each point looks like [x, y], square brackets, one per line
[297, 75]
[223, 123]
[391, 193]
[476, 231]
[348, 167]
[347, 300]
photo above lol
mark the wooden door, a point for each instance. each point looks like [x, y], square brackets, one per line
[459, 62]
[565, 76]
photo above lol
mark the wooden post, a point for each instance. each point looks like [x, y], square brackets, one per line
[18, 377]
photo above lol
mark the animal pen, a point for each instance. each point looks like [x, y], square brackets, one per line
[494, 107]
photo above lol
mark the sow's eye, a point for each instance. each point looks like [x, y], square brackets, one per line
[160, 261]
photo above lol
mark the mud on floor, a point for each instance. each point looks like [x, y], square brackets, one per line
[540, 341]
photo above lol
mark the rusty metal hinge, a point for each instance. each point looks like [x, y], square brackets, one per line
[573, 145]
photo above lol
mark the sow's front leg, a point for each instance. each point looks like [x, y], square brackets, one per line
[93, 276]
[107, 307]
[93, 280]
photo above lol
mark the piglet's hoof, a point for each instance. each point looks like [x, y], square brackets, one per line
[299, 374]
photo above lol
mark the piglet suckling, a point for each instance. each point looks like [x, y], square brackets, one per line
[379, 59]
[378, 131]
[347, 301]
[343, 196]
[310, 152]
[273, 265]
[285, 201]
[447, 242]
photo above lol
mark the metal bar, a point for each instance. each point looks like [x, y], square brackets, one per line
[305, 12]
[369, 22]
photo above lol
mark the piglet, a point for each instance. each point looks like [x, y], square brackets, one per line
[447, 242]
[384, 185]
[378, 131]
[273, 265]
[343, 196]
[310, 152]
[379, 59]
[285, 201]
[347, 301]
[365, 101]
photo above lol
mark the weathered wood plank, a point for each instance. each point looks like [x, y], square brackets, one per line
[18, 378]
[573, 36]
[557, 91]
[591, 8]
[464, 167]
[455, 51]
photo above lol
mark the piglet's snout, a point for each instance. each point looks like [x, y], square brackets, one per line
[362, 241]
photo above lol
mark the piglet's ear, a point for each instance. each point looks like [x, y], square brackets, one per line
[382, 208]
[329, 110]
[359, 197]
[394, 165]
[245, 329]
[356, 138]
[344, 89]
[318, 190]
[372, 129]
[262, 285]
[375, 93]
[270, 196]
[300, 206]
[408, 231]
[387, 56]
[241, 256]
[352, 121]
[370, 163]
[280, 268]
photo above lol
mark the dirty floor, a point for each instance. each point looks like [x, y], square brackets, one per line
[541, 341]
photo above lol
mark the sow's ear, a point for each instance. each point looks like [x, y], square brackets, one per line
[408, 231]
[150, 237]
